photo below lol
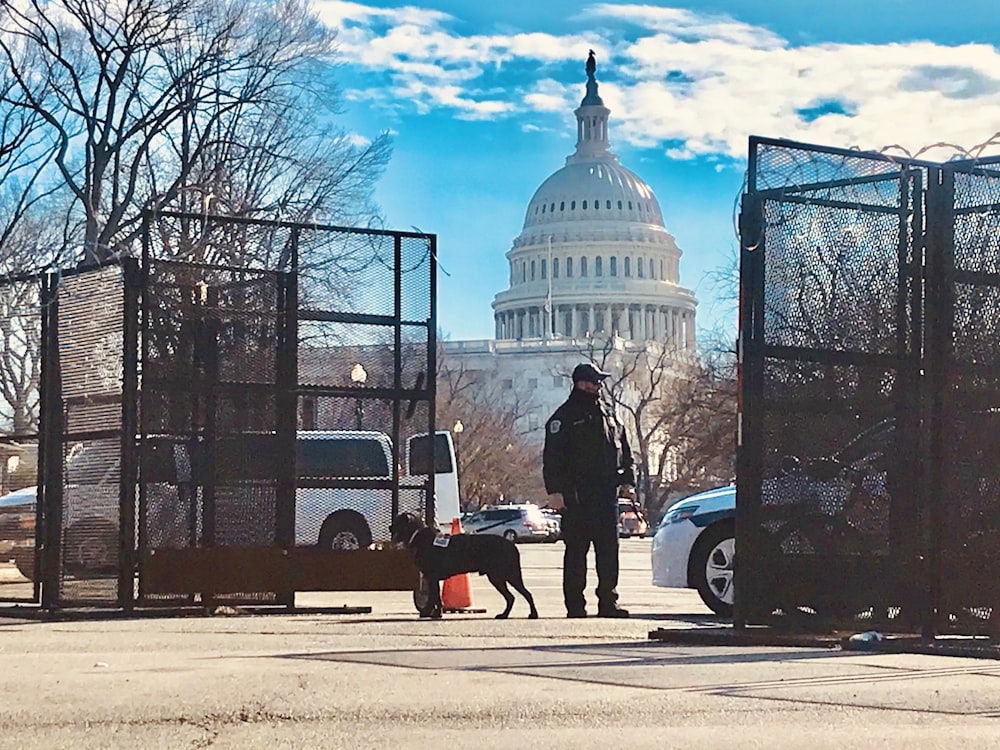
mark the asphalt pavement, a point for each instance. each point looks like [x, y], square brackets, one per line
[387, 679]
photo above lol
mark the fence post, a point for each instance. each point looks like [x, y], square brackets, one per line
[50, 489]
[129, 480]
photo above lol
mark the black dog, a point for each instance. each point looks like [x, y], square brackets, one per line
[491, 556]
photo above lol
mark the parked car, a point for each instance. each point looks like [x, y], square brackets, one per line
[518, 523]
[836, 503]
[17, 529]
[554, 520]
[695, 546]
[631, 521]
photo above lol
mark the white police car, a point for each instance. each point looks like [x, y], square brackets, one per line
[695, 545]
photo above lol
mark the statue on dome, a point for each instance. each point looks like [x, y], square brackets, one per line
[592, 96]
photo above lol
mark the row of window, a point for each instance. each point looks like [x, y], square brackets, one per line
[539, 270]
[596, 203]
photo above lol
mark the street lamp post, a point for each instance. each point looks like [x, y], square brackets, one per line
[358, 377]
[458, 428]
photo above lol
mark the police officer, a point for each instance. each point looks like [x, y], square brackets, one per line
[586, 459]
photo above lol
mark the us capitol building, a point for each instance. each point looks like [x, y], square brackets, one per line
[593, 269]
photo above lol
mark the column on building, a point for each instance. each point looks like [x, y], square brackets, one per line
[690, 331]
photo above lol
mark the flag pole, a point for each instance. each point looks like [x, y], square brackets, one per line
[549, 328]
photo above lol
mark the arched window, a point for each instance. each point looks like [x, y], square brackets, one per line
[639, 268]
[585, 205]
[569, 268]
[572, 205]
[663, 275]
[619, 205]
[532, 270]
[543, 208]
[555, 268]
[614, 266]
[597, 204]
[607, 204]
[524, 271]
[652, 271]
[562, 205]
[583, 266]
[598, 266]
[544, 268]
[630, 205]
[628, 267]
[552, 207]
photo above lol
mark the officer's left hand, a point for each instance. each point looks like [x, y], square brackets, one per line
[627, 491]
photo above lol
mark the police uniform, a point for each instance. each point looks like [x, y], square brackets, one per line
[586, 459]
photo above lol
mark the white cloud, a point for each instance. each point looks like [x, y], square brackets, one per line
[693, 84]
[357, 140]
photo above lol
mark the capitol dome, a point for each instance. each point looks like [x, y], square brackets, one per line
[581, 191]
[593, 257]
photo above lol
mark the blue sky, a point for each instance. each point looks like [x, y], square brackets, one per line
[479, 97]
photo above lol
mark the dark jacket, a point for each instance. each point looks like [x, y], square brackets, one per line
[586, 449]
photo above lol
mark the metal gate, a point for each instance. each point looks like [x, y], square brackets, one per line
[173, 388]
[867, 306]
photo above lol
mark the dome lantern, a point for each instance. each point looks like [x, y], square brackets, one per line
[591, 122]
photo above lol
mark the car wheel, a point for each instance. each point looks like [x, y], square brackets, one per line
[91, 547]
[345, 530]
[24, 559]
[711, 567]
[510, 535]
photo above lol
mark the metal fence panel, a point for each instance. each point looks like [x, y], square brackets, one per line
[90, 333]
[967, 342]
[210, 413]
[830, 363]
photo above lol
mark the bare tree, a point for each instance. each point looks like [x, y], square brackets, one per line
[679, 410]
[496, 459]
[194, 104]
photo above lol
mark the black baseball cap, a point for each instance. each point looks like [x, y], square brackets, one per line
[588, 372]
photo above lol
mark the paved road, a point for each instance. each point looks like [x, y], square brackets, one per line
[388, 680]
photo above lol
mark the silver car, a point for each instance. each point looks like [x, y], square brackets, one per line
[518, 523]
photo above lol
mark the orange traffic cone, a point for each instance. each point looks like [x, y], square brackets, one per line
[456, 592]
